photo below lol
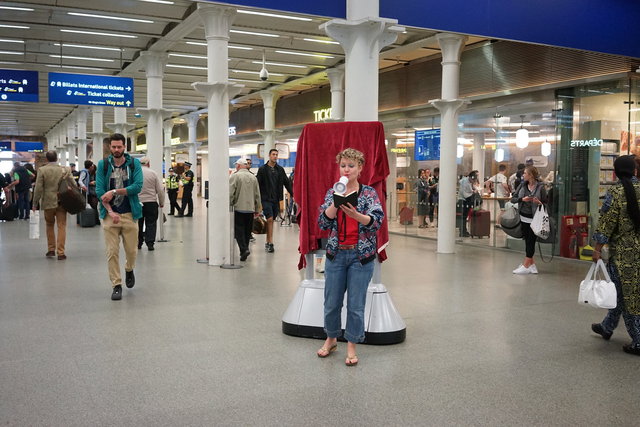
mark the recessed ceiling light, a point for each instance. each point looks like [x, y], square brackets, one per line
[197, 43]
[192, 67]
[321, 41]
[253, 33]
[116, 49]
[274, 15]
[83, 58]
[230, 46]
[24, 27]
[96, 33]
[75, 67]
[315, 55]
[182, 55]
[24, 9]
[9, 52]
[117, 18]
[278, 64]
[11, 41]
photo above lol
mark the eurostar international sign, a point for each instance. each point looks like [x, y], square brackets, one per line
[88, 89]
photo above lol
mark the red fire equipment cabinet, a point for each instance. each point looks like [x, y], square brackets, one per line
[574, 234]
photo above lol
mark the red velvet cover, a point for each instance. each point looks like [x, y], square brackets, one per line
[317, 171]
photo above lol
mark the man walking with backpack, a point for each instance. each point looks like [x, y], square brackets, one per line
[47, 184]
[118, 182]
[22, 184]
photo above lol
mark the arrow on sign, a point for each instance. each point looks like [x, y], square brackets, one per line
[128, 103]
[129, 88]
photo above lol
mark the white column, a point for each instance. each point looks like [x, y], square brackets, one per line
[362, 35]
[193, 144]
[392, 201]
[154, 64]
[97, 133]
[269, 99]
[336, 78]
[120, 124]
[217, 21]
[81, 140]
[70, 145]
[478, 155]
[133, 136]
[449, 105]
[168, 130]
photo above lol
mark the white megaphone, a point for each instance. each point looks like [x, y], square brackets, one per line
[341, 186]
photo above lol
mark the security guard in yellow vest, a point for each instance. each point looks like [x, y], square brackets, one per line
[172, 182]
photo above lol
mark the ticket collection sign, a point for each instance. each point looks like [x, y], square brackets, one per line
[88, 89]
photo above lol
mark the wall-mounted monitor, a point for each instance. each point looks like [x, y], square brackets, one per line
[427, 145]
[29, 147]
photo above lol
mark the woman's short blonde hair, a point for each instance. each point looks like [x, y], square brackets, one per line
[351, 154]
[533, 171]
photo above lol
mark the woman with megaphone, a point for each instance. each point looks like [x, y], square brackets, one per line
[352, 219]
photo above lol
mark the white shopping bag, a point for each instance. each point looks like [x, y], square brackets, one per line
[598, 293]
[540, 223]
[34, 225]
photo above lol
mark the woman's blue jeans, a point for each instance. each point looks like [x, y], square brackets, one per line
[345, 273]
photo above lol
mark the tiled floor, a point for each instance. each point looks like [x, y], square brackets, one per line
[198, 345]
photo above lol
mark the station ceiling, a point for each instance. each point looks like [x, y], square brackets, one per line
[106, 38]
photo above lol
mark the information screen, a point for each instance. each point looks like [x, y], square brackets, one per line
[5, 145]
[18, 85]
[29, 147]
[88, 89]
[427, 145]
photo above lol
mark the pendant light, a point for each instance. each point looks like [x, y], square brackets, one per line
[545, 148]
[499, 155]
[522, 135]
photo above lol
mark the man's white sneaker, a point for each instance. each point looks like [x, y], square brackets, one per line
[521, 270]
[533, 269]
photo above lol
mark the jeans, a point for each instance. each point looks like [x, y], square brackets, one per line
[149, 221]
[345, 273]
[23, 204]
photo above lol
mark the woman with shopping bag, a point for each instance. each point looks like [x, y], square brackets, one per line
[529, 195]
[619, 227]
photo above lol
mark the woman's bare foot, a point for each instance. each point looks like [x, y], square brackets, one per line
[352, 358]
[330, 345]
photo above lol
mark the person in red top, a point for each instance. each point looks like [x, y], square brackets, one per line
[349, 265]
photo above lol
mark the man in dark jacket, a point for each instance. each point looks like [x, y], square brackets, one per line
[22, 185]
[272, 178]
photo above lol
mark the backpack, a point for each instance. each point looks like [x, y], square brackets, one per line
[69, 196]
[25, 180]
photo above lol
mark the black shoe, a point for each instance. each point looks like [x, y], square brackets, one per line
[139, 245]
[117, 293]
[130, 279]
[244, 255]
[631, 350]
[150, 246]
[50, 254]
[271, 249]
[179, 216]
[189, 215]
[598, 329]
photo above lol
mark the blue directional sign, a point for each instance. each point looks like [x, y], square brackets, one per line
[88, 89]
[29, 147]
[427, 145]
[5, 145]
[19, 85]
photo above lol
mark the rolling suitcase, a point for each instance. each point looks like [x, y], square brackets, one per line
[87, 218]
[480, 223]
[8, 213]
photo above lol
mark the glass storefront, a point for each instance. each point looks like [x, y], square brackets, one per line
[572, 137]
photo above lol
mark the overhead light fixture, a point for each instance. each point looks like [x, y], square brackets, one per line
[158, 1]
[459, 151]
[191, 67]
[11, 41]
[315, 55]
[10, 52]
[245, 80]
[545, 148]
[253, 33]
[183, 55]
[321, 41]
[82, 58]
[115, 18]
[22, 27]
[230, 46]
[255, 72]
[499, 155]
[279, 64]
[97, 33]
[75, 67]
[81, 46]
[522, 135]
[275, 15]
[23, 9]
